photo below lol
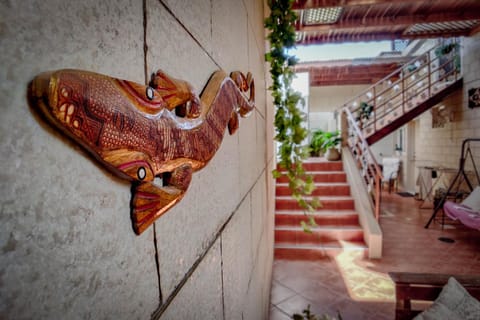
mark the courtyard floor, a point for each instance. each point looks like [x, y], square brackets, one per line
[359, 288]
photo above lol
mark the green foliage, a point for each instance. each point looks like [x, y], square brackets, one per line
[446, 49]
[308, 315]
[364, 112]
[316, 142]
[331, 139]
[288, 117]
[321, 141]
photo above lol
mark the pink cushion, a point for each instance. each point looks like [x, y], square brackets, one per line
[466, 215]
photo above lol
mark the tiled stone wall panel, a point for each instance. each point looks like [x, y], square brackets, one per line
[259, 214]
[68, 248]
[201, 297]
[256, 65]
[230, 34]
[255, 18]
[172, 49]
[442, 146]
[237, 260]
[185, 231]
[196, 17]
[261, 153]
[249, 167]
[255, 300]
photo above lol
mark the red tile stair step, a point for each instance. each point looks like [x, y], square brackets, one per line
[337, 221]
[336, 188]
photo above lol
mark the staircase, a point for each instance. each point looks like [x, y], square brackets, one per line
[337, 227]
[392, 102]
[382, 108]
[407, 92]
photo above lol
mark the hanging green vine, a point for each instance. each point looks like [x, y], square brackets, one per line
[288, 117]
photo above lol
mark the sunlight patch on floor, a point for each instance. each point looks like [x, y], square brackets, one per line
[364, 284]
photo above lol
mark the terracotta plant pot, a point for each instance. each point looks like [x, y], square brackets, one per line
[332, 154]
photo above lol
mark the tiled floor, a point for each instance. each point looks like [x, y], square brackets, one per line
[360, 288]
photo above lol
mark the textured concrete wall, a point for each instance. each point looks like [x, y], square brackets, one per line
[67, 247]
[442, 146]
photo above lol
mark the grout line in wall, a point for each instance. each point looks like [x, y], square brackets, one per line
[253, 245]
[145, 46]
[162, 308]
[221, 273]
[157, 264]
[211, 22]
[146, 74]
[189, 33]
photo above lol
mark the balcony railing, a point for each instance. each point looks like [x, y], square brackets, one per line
[406, 88]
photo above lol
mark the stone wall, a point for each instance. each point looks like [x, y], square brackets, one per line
[68, 250]
[442, 146]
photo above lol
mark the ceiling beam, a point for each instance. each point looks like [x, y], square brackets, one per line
[346, 74]
[343, 82]
[474, 31]
[310, 39]
[345, 37]
[392, 21]
[311, 4]
[379, 68]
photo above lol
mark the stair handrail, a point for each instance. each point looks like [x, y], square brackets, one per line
[410, 62]
[365, 160]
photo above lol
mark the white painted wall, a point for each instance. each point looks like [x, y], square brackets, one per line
[442, 146]
[323, 101]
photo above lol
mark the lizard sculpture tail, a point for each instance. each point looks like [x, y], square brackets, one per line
[142, 132]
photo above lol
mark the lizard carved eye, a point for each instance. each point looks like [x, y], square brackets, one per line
[150, 93]
[141, 173]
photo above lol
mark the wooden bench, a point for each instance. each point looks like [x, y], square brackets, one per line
[425, 287]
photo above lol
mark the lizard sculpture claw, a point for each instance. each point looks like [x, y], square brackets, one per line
[141, 132]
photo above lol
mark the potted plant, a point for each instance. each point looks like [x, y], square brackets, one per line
[331, 140]
[364, 113]
[308, 315]
[316, 143]
[446, 49]
[444, 53]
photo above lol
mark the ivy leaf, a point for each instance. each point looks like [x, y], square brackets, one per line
[306, 228]
[309, 187]
[276, 174]
[316, 203]
[311, 221]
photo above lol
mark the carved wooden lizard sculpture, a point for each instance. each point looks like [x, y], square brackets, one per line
[142, 132]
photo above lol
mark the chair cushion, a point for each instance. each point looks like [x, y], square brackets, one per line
[457, 299]
[473, 200]
[454, 302]
[467, 216]
[437, 311]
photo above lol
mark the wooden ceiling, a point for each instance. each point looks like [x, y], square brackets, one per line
[374, 20]
[349, 72]
[338, 21]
